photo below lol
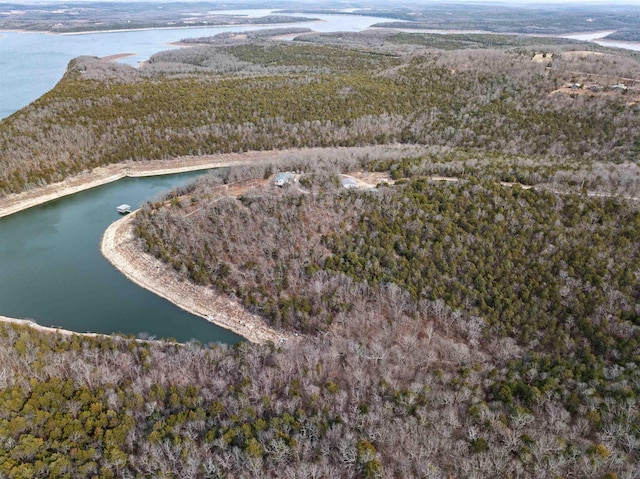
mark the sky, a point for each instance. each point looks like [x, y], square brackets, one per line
[320, 3]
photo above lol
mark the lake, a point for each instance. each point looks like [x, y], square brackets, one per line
[595, 37]
[53, 271]
[32, 63]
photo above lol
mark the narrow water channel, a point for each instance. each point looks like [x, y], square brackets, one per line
[52, 271]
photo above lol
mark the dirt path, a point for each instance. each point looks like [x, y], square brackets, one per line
[119, 247]
[99, 176]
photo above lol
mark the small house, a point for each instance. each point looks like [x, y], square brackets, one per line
[349, 182]
[282, 179]
[619, 87]
[123, 209]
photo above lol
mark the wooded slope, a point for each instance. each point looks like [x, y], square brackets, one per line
[257, 96]
[539, 288]
[459, 328]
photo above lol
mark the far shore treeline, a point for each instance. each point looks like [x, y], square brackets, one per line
[269, 95]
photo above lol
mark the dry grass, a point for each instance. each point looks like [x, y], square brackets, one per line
[582, 54]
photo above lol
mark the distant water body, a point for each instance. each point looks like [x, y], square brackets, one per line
[52, 269]
[597, 36]
[32, 63]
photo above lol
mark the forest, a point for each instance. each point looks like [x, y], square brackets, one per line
[475, 312]
[534, 18]
[328, 90]
[625, 34]
[554, 18]
[447, 328]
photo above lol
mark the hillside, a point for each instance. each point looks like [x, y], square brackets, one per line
[91, 16]
[470, 309]
[464, 328]
[330, 90]
[555, 18]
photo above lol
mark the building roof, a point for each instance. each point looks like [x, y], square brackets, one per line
[349, 182]
[282, 178]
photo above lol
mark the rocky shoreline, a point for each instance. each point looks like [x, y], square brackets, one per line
[99, 176]
[232, 317]
[120, 248]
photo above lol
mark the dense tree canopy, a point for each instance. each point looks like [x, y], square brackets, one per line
[541, 286]
[452, 324]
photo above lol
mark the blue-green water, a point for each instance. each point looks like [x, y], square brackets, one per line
[52, 271]
[32, 63]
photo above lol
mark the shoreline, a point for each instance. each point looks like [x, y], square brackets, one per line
[417, 28]
[591, 32]
[605, 42]
[117, 56]
[183, 294]
[48, 329]
[286, 36]
[17, 202]
[30, 323]
[118, 246]
[194, 27]
[146, 29]
[240, 323]
[277, 25]
[233, 316]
